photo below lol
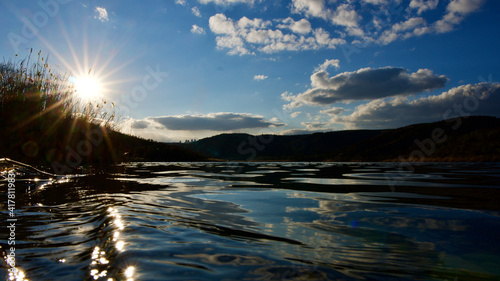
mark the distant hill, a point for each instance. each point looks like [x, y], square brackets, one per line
[475, 138]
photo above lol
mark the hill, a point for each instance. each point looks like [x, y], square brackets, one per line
[75, 144]
[476, 138]
[245, 147]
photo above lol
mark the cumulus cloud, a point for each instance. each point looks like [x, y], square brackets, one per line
[423, 5]
[343, 15]
[356, 22]
[315, 8]
[101, 14]
[464, 7]
[220, 24]
[197, 29]
[260, 77]
[471, 99]
[181, 2]
[248, 36]
[384, 21]
[346, 15]
[404, 30]
[457, 10]
[224, 121]
[324, 66]
[302, 26]
[364, 84]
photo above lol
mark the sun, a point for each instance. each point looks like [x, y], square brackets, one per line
[87, 87]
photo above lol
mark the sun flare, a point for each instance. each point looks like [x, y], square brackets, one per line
[87, 87]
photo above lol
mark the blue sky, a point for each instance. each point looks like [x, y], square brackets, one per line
[188, 69]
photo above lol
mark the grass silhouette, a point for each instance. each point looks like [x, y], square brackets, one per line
[41, 116]
[45, 123]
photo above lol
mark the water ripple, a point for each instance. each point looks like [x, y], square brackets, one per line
[168, 221]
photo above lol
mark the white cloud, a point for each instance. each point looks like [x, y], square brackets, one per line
[197, 29]
[423, 5]
[246, 23]
[315, 8]
[337, 22]
[364, 84]
[181, 2]
[403, 30]
[220, 24]
[302, 26]
[260, 77]
[247, 36]
[233, 43]
[334, 111]
[101, 14]
[196, 11]
[295, 114]
[409, 24]
[464, 7]
[457, 11]
[345, 15]
[386, 21]
[471, 99]
[324, 66]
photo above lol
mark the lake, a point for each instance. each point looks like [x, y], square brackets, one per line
[259, 221]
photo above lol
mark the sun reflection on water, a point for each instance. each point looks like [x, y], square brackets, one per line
[17, 275]
[129, 273]
[119, 244]
[101, 261]
[98, 259]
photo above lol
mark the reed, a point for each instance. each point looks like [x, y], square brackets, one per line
[30, 90]
[41, 115]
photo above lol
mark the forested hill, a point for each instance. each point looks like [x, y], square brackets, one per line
[475, 138]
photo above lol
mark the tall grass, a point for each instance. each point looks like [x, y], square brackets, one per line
[41, 116]
[32, 89]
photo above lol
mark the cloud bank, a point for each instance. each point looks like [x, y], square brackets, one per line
[222, 121]
[364, 84]
[181, 127]
[462, 101]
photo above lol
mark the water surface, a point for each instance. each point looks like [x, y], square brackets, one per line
[261, 221]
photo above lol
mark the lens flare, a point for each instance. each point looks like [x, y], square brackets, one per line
[87, 87]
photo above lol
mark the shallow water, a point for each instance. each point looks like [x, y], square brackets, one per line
[260, 221]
